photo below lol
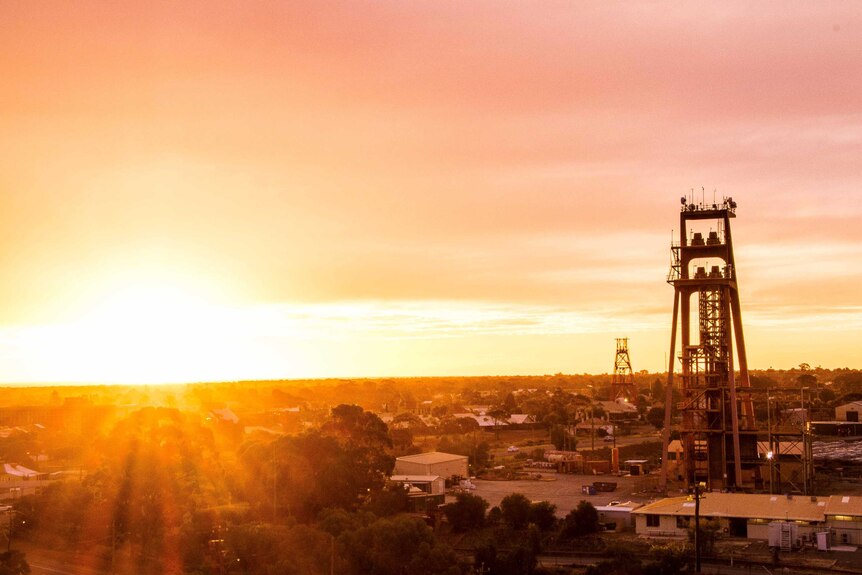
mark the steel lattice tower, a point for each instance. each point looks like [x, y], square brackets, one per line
[718, 434]
[623, 382]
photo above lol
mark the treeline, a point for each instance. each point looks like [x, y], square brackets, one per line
[169, 494]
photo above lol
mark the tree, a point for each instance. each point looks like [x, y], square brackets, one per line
[709, 530]
[806, 379]
[467, 512]
[520, 560]
[762, 381]
[657, 390]
[582, 520]
[542, 514]
[478, 452]
[13, 562]
[516, 510]
[562, 439]
[389, 501]
[655, 416]
[395, 546]
[500, 414]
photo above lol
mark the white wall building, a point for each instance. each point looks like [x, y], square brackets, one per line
[433, 463]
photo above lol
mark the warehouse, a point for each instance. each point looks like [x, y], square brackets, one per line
[446, 465]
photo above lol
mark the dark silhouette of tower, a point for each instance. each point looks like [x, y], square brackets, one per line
[717, 427]
[623, 382]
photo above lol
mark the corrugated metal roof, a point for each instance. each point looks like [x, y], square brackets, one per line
[844, 505]
[409, 478]
[753, 506]
[431, 457]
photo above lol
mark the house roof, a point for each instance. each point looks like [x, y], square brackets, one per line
[626, 507]
[753, 506]
[431, 457]
[18, 470]
[618, 407]
[856, 404]
[521, 418]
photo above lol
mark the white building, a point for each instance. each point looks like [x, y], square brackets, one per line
[750, 515]
[848, 411]
[445, 465]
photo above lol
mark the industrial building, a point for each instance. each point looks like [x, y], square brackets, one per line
[848, 411]
[750, 516]
[425, 492]
[446, 465]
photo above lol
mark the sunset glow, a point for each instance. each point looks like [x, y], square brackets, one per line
[209, 191]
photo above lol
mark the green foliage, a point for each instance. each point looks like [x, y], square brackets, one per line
[389, 501]
[13, 562]
[618, 565]
[582, 520]
[516, 510]
[518, 560]
[657, 390]
[338, 465]
[806, 380]
[336, 521]
[395, 546]
[267, 549]
[762, 381]
[655, 416]
[666, 560]
[709, 530]
[466, 512]
[850, 380]
[562, 439]
[542, 514]
[477, 452]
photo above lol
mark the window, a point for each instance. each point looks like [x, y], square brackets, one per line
[652, 520]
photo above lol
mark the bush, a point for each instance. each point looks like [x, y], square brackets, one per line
[516, 510]
[467, 512]
[543, 515]
[582, 520]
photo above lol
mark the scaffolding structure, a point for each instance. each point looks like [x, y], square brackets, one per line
[787, 450]
[623, 382]
[717, 430]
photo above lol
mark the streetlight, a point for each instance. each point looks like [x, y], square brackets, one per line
[771, 457]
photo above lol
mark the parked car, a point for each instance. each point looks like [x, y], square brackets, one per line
[512, 449]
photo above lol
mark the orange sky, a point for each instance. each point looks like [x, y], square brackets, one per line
[223, 190]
